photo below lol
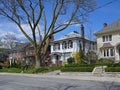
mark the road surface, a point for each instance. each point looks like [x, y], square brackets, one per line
[16, 82]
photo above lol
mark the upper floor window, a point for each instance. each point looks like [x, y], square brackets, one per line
[56, 46]
[103, 38]
[110, 37]
[70, 44]
[64, 45]
[107, 38]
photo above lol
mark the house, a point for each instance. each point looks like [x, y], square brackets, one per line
[29, 54]
[108, 42]
[63, 48]
[24, 52]
[18, 53]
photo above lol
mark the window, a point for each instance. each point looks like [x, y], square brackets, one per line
[107, 38]
[111, 52]
[64, 45]
[70, 44]
[103, 38]
[104, 53]
[56, 46]
[110, 37]
[108, 52]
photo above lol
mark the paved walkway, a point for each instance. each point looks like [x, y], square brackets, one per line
[70, 75]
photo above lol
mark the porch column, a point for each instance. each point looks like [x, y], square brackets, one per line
[116, 54]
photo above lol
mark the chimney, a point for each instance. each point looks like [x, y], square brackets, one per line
[51, 38]
[83, 38]
[105, 25]
[82, 30]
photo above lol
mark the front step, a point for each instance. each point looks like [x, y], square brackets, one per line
[99, 70]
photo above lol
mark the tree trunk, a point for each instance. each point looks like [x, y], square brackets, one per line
[37, 61]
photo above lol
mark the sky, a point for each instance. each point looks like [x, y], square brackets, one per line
[105, 14]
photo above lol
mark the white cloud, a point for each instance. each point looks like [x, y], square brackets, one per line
[9, 27]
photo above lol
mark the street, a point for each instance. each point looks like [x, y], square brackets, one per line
[16, 82]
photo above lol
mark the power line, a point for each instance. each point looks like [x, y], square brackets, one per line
[108, 3]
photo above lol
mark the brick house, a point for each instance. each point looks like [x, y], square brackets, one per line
[18, 53]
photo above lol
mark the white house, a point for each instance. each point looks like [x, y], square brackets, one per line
[63, 48]
[108, 42]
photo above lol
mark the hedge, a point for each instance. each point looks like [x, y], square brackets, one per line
[39, 70]
[77, 69]
[94, 65]
[114, 65]
[79, 65]
[112, 69]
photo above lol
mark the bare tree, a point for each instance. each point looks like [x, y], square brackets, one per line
[9, 40]
[53, 15]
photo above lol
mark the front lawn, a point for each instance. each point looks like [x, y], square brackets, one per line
[11, 70]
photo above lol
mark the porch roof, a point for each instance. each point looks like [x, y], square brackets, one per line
[107, 45]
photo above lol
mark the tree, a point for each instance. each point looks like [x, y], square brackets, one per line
[53, 15]
[82, 55]
[76, 55]
[9, 40]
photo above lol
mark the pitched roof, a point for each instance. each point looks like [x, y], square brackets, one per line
[20, 47]
[70, 35]
[115, 26]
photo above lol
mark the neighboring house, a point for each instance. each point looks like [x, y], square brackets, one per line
[30, 54]
[24, 52]
[18, 53]
[63, 48]
[108, 42]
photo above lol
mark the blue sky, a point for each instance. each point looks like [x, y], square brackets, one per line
[108, 14]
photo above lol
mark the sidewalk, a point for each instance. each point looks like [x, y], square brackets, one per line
[70, 75]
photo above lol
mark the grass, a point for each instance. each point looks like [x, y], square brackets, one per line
[30, 70]
[11, 70]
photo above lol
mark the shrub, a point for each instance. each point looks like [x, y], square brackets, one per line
[112, 69]
[103, 62]
[77, 69]
[6, 64]
[39, 70]
[79, 65]
[55, 68]
[71, 60]
[115, 65]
